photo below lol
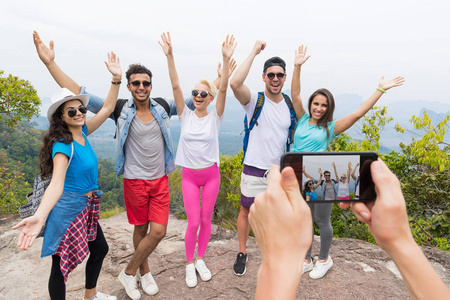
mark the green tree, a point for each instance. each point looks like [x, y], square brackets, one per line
[18, 99]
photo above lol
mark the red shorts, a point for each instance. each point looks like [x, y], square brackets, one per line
[147, 200]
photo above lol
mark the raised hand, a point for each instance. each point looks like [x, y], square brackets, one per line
[228, 46]
[320, 171]
[387, 84]
[31, 228]
[259, 46]
[166, 44]
[300, 56]
[230, 69]
[46, 54]
[334, 166]
[350, 165]
[113, 65]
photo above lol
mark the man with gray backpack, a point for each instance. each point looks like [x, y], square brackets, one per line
[269, 124]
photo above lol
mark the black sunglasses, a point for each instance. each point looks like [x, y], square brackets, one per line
[137, 83]
[203, 94]
[272, 75]
[73, 111]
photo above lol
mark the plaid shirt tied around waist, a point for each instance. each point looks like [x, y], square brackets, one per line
[73, 247]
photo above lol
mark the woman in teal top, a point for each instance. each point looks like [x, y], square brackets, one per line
[70, 204]
[314, 131]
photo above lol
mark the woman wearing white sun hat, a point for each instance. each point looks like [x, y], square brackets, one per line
[71, 202]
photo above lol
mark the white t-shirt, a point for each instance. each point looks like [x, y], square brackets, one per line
[268, 137]
[198, 147]
[343, 189]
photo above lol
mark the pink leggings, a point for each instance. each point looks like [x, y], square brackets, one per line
[199, 216]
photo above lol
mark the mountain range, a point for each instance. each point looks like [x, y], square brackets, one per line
[231, 133]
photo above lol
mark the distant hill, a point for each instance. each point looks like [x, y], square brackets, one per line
[231, 132]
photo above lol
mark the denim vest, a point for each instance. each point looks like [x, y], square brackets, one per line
[124, 121]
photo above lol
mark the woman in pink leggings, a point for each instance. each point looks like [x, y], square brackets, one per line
[198, 154]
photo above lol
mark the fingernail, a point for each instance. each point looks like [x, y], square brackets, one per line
[377, 166]
[288, 175]
[365, 215]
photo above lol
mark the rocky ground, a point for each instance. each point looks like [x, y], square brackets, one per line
[361, 270]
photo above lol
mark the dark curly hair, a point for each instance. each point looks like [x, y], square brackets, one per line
[137, 69]
[57, 132]
[328, 115]
[307, 189]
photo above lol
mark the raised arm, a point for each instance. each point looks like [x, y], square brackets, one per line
[388, 222]
[240, 90]
[107, 109]
[300, 58]
[306, 174]
[166, 46]
[33, 225]
[231, 69]
[349, 170]
[348, 121]
[227, 51]
[354, 170]
[47, 56]
[319, 182]
[335, 172]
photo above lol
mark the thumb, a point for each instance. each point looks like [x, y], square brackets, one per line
[291, 187]
[18, 225]
[383, 178]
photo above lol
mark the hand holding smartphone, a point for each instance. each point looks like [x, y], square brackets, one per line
[333, 176]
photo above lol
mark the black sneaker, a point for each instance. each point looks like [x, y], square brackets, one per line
[239, 265]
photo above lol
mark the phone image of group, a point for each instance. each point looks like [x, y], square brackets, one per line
[333, 176]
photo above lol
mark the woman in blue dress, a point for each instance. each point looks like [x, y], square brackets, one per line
[314, 131]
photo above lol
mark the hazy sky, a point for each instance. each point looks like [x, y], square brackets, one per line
[352, 42]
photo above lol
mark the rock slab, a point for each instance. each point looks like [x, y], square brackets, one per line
[361, 270]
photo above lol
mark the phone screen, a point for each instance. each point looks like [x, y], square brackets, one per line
[345, 176]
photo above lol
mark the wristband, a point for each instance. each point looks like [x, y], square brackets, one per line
[381, 90]
[116, 82]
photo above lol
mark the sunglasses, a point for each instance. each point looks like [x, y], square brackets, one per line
[203, 94]
[137, 83]
[327, 175]
[73, 111]
[272, 75]
[343, 177]
[310, 183]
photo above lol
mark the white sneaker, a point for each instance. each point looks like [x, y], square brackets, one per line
[307, 267]
[149, 285]
[321, 268]
[205, 273]
[101, 296]
[191, 276]
[130, 285]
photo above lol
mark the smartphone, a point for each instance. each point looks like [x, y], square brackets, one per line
[346, 176]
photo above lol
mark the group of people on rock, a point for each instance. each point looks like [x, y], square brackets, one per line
[145, 156]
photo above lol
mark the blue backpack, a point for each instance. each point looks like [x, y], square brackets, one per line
[255, 116]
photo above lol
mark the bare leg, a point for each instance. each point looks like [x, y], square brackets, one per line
[145, 247]
[243, 229]
[140, 231]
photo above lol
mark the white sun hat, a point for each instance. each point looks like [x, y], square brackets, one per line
[60, 97]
